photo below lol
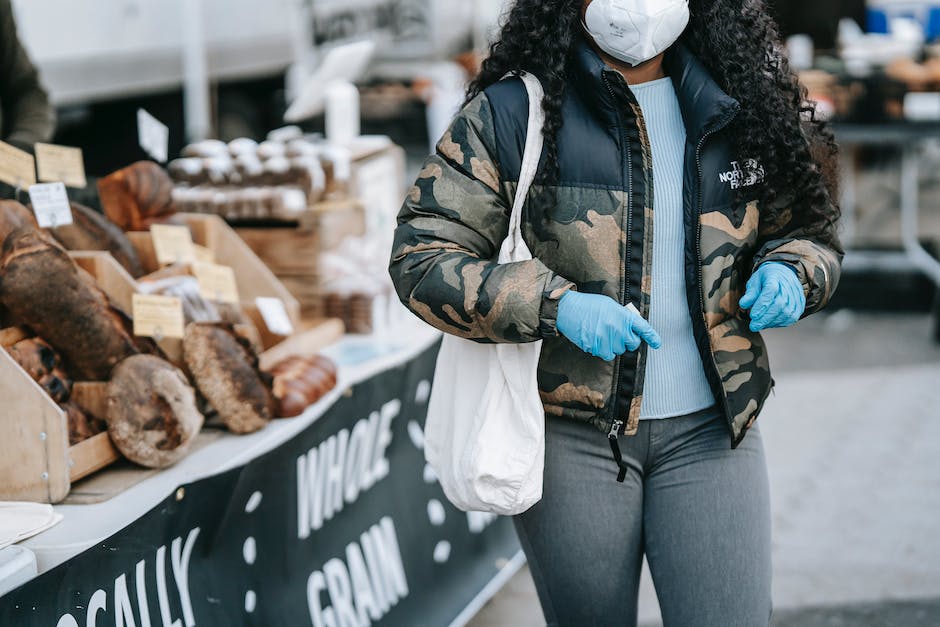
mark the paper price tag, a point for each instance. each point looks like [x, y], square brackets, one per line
[275, 316]
[158, 317]
[61, 163]
[17, 167]
[203, 254]
[50, 204]
[153, 135]
[172, 244]
[216, 282]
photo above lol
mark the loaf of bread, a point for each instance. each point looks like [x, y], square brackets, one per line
[300, 382]
[225, 369]
[44, 366]
[92, 231]
[81, 424]
[152, 415]
[14, 216]
[43, 288]
[137, 196]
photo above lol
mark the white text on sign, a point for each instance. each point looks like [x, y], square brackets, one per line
[50, 203]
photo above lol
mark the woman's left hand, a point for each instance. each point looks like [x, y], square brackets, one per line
[775, 297]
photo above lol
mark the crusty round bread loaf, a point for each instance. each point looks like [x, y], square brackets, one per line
[152, 416]
[225, 370]
[43, 288]
[92, 231]
[137, 196]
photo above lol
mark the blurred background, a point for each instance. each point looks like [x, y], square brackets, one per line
[857, 495]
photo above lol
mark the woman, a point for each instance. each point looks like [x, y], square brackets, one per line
[682, 173]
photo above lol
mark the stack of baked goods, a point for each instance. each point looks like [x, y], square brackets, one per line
[244, 180]
[62, 328]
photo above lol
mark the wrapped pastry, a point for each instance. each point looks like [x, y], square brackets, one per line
[225, 369]
[242, 146]
[43, 288]
[300, 382]
[186, 288]
[137, 196]
[92, 231]
[187, 170]
[152, 415]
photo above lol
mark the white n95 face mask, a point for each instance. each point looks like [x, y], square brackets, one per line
[635, 31]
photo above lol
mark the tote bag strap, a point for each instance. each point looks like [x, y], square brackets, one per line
[514, 248]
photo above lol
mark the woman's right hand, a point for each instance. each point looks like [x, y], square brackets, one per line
[601, 326]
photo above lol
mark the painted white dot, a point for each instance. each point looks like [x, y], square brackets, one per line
[423, 392]
[251, 601]
[429, 475]
[249, 550]
[436, 512]
[253, 502]
[416, 433]
[442, 551]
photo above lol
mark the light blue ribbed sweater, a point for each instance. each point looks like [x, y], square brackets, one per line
[675, 379]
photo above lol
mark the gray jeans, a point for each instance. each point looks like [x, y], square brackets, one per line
[698, 510]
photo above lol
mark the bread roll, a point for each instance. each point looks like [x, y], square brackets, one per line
[81, 424]
[137, 196]
[225, 369]
[14, 216]
[92, 231]
[43, 288]
[300, 382]
[152, 415]
[43, 365]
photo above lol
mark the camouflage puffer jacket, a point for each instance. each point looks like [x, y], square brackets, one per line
[598, 238]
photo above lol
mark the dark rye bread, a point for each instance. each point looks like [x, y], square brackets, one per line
[225, 369]
[152, 416]
[14, 216]
[81, 424]
[42, 288]
[43, 365]
[137, 196]
[92, 231]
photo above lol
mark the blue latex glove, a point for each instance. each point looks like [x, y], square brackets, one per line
[774, 295]
[601, 326]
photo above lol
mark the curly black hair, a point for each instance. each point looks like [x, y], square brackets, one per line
[739, 43]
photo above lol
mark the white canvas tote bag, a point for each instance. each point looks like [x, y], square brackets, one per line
[485, 431]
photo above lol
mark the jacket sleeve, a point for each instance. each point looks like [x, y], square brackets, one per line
[449, 232]
[28, 116]
[807, 242]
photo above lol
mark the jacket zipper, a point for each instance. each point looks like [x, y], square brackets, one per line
[625, 156]
[701, 272]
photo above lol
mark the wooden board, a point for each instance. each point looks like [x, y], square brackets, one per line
[253, 277]
[91, 455]
[110, 275]
[34, 446]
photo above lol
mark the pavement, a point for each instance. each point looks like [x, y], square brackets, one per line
[853, 446]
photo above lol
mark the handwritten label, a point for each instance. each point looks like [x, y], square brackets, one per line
[158, 317]
[216, 282]
[153, 135]
[203, 254]
[172, 244]
[61, 163]
[17, 167]
[275, 316]
[50, 204]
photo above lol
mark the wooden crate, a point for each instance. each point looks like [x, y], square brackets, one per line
[253, 277]
[292, 252]
[36, 461]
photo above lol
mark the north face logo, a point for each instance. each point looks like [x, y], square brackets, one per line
[751, 172]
